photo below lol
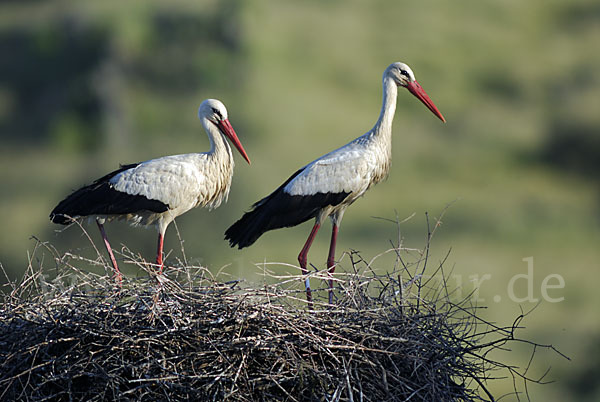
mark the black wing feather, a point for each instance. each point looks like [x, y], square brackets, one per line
[100, 198]
[279, 210]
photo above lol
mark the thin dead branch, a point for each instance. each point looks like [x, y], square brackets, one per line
[188, 335]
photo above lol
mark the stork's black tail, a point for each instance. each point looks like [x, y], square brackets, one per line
[252, 225]
[278, 210]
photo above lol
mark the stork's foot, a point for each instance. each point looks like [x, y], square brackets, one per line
[309, 299]
[118, 278]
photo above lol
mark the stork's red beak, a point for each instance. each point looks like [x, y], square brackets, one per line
[226, 129]
[420, 93]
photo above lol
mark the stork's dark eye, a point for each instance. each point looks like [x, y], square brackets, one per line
[404, 73]
[217, 112]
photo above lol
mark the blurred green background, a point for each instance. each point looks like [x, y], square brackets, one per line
[87, 85]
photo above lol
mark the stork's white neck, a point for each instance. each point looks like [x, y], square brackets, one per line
[217, 166]
[219, 148]
[388, 108]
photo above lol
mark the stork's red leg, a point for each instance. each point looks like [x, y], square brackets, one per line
[302, 259]
[113, 260]
[159, 253]
[331, 260]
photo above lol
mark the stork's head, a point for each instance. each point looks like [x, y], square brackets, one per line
[400, 73]
[213, 109]
[404, 77]
[215, 112]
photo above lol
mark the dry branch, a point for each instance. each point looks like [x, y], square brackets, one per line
[190, 336]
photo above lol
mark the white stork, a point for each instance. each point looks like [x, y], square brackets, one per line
[329, 184]
[159, 190]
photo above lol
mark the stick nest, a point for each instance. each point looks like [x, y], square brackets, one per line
[185, 335]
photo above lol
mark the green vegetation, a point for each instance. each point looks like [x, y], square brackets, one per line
[88, 85]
